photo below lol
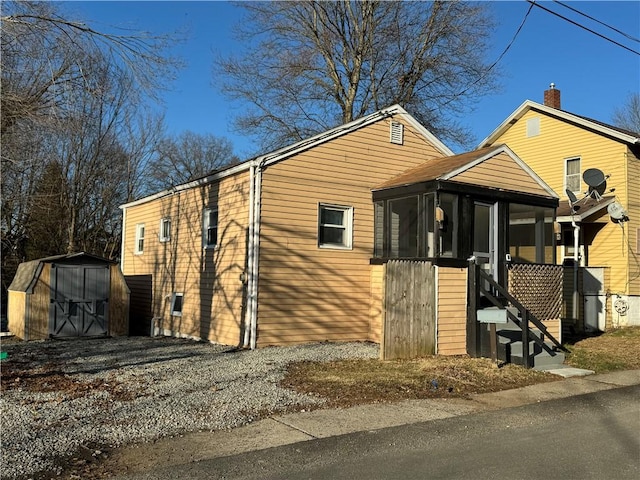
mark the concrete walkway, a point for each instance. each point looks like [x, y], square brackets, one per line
[302, 426]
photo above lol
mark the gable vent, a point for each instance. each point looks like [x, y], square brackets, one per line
[397, 133]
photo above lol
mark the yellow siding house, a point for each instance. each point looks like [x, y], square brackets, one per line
[276, 250]
[595, 169]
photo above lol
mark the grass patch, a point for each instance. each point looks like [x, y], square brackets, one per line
[615, 350]
[353, 382]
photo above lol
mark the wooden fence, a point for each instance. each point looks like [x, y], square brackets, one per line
[409, 310]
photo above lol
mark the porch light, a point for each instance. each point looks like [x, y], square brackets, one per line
[557, 229]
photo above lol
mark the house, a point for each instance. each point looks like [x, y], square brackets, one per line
[276, 250]
[70, 295]
[595, 168]
[483, 212]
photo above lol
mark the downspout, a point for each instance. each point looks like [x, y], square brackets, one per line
[250, 253]
[124, 223]
[256, 255]
[576, 259]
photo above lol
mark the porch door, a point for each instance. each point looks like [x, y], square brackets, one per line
[485, 238]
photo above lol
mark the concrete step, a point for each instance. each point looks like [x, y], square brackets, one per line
[541, 359]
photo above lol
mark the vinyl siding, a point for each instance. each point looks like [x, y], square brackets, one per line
[632, 228]
[546, 154]
[209, 278]
[452, 311]
[501, 172]
[307, 293]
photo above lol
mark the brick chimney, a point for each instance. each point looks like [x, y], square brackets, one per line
[552, 97]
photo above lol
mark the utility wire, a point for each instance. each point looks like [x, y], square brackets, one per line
[533, 2]
[597, 21]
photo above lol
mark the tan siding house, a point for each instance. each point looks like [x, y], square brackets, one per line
[560, 147]
[276, 250]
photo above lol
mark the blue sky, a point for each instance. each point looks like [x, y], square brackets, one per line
[594, 75]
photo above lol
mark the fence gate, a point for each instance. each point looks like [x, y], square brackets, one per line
[409, 310]
[79, 300]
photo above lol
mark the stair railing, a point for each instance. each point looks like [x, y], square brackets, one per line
[526, 316]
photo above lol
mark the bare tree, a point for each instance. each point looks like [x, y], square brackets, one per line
[628, 116]
[188, 156]
[312, 65]
[76, 98]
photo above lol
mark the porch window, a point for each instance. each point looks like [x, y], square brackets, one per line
[210, 227]
[448, 225]
[404, 227]
[139, 246]
[531, 236]
[572, 175]
[378, 240]
[165, 230]
[335, 223]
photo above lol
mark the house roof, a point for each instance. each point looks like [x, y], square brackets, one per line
[446, 168]
[585, 122]
[290, 150]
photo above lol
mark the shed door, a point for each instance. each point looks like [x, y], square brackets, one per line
[79, 300]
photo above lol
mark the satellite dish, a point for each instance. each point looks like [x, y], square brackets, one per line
[616, 211]
[593, 177]
[572, 196]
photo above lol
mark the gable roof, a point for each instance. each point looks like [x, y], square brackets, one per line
[447, 168]
[584, 122]
[298, 147]
[28, 272]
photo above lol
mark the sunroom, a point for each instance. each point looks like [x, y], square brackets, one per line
[484, 208]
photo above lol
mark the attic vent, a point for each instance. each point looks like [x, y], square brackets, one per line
[533, 127]
[397, 131]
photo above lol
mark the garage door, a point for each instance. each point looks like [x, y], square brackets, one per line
[79, 300]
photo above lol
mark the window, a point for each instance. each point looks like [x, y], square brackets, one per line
[165, 230]
[448, 225]
[210, 227]
[572, 175]
[334, 226]
[139, 247]
[176, 304]
[531, 237]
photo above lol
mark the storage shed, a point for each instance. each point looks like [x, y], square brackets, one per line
[73, 295]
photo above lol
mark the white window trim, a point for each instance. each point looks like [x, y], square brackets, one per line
[348, 234]
[140, 229]
[165, 238]
[175, 313]
[566, 162]
[206, 226]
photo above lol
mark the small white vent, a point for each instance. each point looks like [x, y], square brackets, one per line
[397, 133]
[533, 127]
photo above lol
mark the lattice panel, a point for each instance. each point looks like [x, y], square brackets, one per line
[538, 288]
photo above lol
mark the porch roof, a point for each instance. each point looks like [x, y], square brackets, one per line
[435, 169]
[582, 209]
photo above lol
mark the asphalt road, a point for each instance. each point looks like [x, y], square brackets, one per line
[592, 436]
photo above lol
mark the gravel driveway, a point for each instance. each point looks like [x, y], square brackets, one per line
[117, 391]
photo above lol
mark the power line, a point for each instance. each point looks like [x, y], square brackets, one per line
[597, 21]
[533, 2]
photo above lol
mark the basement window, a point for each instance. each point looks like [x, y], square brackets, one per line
[176, 304]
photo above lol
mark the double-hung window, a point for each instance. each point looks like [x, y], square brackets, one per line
[335, 224]
[139, 246]
[572, 175]
[210, 227]
[165, 230]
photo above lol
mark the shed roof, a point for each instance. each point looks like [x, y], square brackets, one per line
[28, 272]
